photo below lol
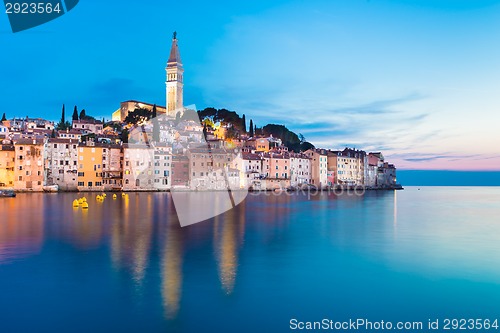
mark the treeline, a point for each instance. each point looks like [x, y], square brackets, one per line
[63, 124]
[236, 126]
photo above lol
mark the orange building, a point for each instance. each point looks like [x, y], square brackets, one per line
[7, 164]
[28, 170]
[90, 169]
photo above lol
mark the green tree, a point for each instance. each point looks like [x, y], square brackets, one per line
[244, 124]
[124, 135]
[251, 129]
[139, 115]
[304, 146]
[4, 118]
[63, 124]
[82, 114]
[75, 113]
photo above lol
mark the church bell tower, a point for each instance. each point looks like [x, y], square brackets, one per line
[174, 81]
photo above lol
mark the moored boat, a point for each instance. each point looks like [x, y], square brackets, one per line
[51, 188]
[7, 194]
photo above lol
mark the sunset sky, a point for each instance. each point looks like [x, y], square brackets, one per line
[418, 80]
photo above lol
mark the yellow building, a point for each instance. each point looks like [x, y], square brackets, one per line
[7, 161]
[90, 169]
[131, 105]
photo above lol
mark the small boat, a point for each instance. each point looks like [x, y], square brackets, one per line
[7, 194]
[51, 188]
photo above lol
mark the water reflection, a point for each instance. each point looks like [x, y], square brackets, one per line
[131, 236]
[228, 233]
[171, 268]
[271, 244]
[21, 227]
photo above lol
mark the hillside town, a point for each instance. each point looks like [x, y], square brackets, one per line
[146, 147]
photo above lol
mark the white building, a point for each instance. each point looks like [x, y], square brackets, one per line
[138, 167]
[88, 126]
[300, 169]
[162, 167]
[250, 170]
[61, 163]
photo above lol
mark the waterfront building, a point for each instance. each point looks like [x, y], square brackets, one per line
[180, 171]
[250, 169]
[347, 167]
[319, 167]
[7, 165]
[162, 166]
[138, 167]
[209, 168]
[300, 169]
[373, 161]
[61, 163]
[112, 166]
[277, 170]
[90, 167]
[29, 168]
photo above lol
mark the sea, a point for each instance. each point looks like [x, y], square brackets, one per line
[277, 262]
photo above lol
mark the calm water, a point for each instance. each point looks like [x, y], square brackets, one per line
[126, 266]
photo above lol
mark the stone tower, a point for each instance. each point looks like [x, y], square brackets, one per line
[174, 81]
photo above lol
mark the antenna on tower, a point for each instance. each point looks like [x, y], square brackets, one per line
[175, 34]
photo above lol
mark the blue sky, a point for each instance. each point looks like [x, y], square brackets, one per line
[416, 79]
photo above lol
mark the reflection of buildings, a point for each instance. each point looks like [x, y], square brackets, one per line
[228, 233]
[21, 229]
[131, 236]
[171, 270]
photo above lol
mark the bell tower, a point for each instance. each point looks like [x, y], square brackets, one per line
[174, 81]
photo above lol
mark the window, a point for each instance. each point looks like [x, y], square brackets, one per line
[81, 184]
[90, 184]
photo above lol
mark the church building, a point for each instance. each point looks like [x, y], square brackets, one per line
[174, 89]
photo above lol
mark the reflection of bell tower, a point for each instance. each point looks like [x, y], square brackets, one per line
[174, 80]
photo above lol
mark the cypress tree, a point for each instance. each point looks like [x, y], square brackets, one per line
[251, 128]
[63, 115]
[244, 124]
[82, 114]
[4, 118]
[75, 113]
